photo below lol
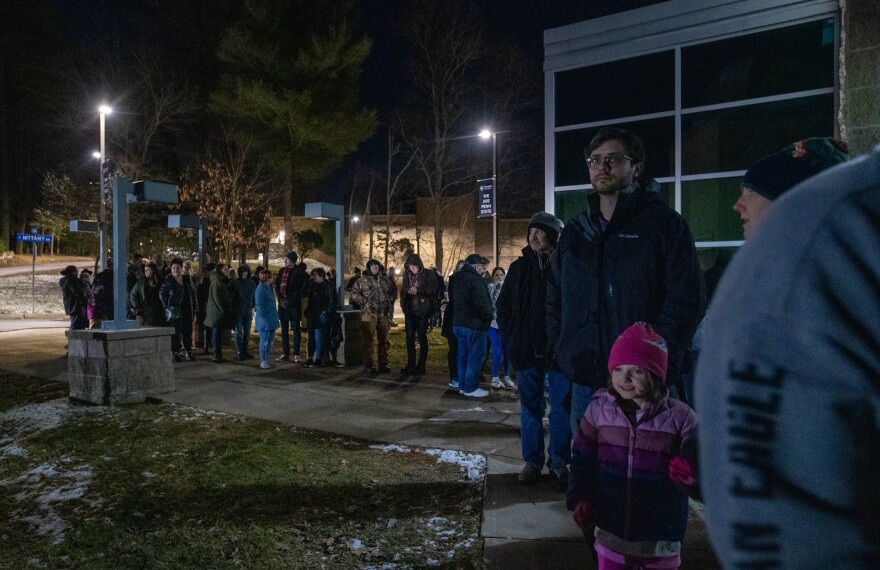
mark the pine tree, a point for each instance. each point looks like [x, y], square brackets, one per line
[291, 82]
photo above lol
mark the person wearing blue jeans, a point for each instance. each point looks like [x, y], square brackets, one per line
[267, 317]
[470, 323]
[521, 316]
[291, 285]
[322, 301]
[471, 356]
[580, 398]
[530, 383]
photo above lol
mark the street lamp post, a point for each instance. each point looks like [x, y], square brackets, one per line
[485, 134]
[351, 221]
[103, 111]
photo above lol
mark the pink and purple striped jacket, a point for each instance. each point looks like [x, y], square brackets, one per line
[621, 468]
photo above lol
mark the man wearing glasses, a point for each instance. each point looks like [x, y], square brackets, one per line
[627, 257]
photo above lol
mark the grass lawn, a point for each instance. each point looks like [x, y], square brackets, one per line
[167, 486]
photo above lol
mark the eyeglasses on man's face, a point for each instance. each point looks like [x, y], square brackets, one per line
[610, 161]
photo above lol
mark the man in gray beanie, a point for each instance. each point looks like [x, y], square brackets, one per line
[521, 319]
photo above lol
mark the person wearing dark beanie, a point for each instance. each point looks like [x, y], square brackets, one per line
[769, 178]
[521, 316]
[549, 224]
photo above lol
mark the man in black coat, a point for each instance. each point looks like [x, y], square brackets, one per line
[470, 323]
[75, 297]
[521, 319]
[627, 257]
[291, 285]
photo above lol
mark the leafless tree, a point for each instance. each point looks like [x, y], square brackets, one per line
[447, 43]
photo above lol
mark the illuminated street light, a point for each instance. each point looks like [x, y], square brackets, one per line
[96, 154]
[103, 111]
[485, 134]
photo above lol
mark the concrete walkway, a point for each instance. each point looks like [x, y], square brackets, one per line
[523, 527]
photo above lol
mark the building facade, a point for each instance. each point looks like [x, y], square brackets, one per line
[711, 87]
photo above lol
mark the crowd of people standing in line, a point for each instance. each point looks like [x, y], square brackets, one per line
[596, 317]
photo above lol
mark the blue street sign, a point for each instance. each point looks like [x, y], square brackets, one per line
[486, 197]
[33, 238]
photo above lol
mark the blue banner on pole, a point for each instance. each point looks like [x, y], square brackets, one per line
[33, 238]
[486, 197]
[105, 179]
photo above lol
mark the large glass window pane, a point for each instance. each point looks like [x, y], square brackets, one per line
[571, 97]
[713, 262]
[733, 139]
[658, 136]
[707, 205]
[569, 204]
[623, 88]
[784, 60]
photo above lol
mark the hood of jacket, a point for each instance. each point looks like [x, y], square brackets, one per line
[369, 270]
[414, 259]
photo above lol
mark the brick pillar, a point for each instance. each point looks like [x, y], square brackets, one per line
[860, 74]
[119, 367]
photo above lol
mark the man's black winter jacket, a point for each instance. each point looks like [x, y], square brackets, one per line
[643, 267]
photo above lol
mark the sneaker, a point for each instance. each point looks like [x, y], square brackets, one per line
[497, 383]
[296, 359]
[478, 393]
[529, 474]
[453, 383]
[508, 383]
[283, 358]
[265, 365]
[561, 476]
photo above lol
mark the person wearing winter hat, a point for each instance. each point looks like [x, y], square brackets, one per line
[418, 294]
[521, 310]
[766, 180]
[291, 285]
[375, 293]
[632, 444]
[470, 323]
[627, 257]
[243, 291]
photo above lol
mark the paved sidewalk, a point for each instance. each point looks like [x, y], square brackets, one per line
[523, 527]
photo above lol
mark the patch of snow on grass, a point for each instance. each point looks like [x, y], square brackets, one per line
[391, 447]
[355, 544]
[12, 450]
[47, 487]
[471, 463]
[33, 418]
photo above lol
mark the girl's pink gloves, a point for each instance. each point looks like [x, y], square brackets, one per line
[680, 471]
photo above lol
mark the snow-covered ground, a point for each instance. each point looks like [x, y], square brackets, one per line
[15, 295]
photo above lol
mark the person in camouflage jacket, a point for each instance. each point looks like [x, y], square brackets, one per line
[375, 293]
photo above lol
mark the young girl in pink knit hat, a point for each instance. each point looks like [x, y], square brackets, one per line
[629, 468]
